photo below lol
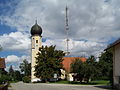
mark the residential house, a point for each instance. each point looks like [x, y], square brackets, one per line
[2, 65]
[116, 62]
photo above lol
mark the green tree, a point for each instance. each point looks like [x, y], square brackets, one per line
[17, 75]
[84, 70]
[11, 72]
[90, 68]
[106, 65]
[25, 67]
[48, 62]
[0, 48]
[78, 67]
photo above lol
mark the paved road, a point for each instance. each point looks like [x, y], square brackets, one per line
[42, 86]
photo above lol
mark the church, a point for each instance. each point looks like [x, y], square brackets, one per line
[36, 43]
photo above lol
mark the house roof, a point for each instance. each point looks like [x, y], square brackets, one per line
[2, 62]
[68, 60]
[113, 44]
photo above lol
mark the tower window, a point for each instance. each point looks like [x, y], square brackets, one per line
[36, 41]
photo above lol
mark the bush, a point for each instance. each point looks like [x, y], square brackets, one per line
[4, 79]
[26, 79]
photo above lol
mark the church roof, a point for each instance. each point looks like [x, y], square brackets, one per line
[68, 60]
[2, 62]
[36, 30]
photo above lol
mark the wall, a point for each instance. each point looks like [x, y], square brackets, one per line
[116, 64]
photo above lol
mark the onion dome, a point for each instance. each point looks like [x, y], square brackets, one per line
[36, 30]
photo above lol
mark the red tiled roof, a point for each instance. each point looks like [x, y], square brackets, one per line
[2, 62]
[68, 60]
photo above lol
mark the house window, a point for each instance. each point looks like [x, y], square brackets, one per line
[36, 41]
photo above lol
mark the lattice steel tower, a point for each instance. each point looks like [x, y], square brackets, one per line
[67, 29]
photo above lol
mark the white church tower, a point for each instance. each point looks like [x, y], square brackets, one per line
[36, 42]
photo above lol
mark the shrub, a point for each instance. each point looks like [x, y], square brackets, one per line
[26, 79]
[4, 79]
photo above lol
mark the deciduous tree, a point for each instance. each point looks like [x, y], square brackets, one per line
[48, 62]
[84, 70]
[25, 67]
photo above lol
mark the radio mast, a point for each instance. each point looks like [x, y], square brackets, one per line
[67, 29]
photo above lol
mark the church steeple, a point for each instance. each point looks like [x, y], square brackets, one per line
[36, 43]
[36, 29]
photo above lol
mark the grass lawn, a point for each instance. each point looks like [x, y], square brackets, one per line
[100, 82]
[14, 81]
[97, 82]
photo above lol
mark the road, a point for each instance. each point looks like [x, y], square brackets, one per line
[44, 86]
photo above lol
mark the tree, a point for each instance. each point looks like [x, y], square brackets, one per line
[17, 75]
[48, 62]
[11, 72]
[78, 67]
[90, 68]
[25, 67]
[84, 70]
[0, 48]
[106, 65]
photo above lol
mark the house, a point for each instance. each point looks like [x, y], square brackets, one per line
[116, 62]
[2, 65]
[66, 74]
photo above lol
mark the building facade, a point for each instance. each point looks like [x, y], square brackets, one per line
[36, 43]
[2, 63]
[116, 62]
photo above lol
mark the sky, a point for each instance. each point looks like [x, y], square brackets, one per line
[93, 25]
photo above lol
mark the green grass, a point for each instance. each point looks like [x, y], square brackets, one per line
[62, 82]
[100, 82]
[97, 82]
[14, 81]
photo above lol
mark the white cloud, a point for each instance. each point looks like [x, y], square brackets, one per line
[15, 41]
[12, 58]
[78, 48]
[92, 23]
[15, 61]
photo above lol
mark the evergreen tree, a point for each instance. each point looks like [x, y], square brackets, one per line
[0, 48]
[11, 72]
[48, 62]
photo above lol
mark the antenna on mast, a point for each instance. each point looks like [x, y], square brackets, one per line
[67, 29]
